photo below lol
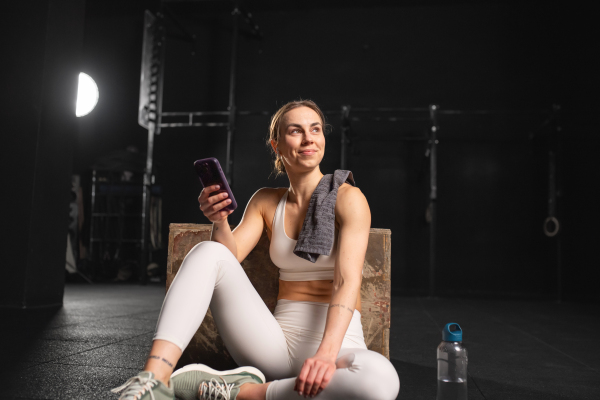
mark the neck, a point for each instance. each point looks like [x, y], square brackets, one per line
[303, 185]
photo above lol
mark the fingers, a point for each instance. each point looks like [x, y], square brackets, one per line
[313, 378]
[215, 203]
[318, 383]
[212, 206]
[219, 214]
[301, 380]
[205, 193]
[313, 383]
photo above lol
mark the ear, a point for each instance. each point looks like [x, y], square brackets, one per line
[274, 145]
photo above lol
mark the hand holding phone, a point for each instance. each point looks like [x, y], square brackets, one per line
[216, 199]
[214, 206]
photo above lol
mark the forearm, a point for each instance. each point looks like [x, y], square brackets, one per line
[339, 315]
[221, 232]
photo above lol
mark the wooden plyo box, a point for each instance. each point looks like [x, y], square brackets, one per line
[207, 347]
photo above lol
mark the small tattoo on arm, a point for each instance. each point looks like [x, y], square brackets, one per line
[155, 357]
[342, 306]
[216, 228]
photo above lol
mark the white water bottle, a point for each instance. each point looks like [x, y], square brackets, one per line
[452, 365]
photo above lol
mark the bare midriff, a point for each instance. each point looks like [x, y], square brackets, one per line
[319, 291]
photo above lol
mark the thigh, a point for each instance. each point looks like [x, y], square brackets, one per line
[248, 329]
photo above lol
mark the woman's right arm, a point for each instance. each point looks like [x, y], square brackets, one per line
[246, 235]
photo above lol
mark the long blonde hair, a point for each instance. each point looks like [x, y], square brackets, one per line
[274, 133]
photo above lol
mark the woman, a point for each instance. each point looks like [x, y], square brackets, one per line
[313, 344]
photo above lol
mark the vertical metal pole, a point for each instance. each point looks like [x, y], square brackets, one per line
[345, 130]
[92, 218]
[433, 142]
[154, 121]
[557, 194]
[232, 108]
[143, 275]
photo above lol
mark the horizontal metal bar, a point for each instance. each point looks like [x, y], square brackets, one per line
[361, 110]
[395, 139]
[390, 109]
[98, 240]
[201, 113]
[267, 113]
[388, 119]
[116, 194]
[491, 112]
[115, 215]
[187, 125]
[188, 113]
[474, 139]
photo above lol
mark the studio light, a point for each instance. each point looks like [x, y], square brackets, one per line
[87, 95]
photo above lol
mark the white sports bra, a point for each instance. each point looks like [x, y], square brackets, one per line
[291, 267]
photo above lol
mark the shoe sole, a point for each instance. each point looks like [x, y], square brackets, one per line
[206, 368]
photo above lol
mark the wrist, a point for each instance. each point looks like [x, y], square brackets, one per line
[220, 223]
[327, 352]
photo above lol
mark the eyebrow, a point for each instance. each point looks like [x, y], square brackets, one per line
[300, 126]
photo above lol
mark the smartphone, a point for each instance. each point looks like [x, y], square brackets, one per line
[210, 173]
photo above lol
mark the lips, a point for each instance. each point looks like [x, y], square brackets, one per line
[308, 152]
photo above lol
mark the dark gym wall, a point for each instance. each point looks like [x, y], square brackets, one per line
[492, 188]
[580, 89]
[41, 43]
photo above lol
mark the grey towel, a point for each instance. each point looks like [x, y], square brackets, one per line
[318, 230]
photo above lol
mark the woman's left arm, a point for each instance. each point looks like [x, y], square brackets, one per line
[354, 215]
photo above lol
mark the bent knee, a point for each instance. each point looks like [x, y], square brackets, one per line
[208, 246]
[383, 385]
[204, 254]
[379, 376]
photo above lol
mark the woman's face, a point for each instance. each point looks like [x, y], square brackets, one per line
[301, 139]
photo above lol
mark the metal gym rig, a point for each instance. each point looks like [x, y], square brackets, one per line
[152, 117]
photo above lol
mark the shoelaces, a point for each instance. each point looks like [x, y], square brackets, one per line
[206, 391]
[136, 387]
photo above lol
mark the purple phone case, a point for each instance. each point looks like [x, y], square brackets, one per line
[210, 173]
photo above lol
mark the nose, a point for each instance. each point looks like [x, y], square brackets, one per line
[307, 138]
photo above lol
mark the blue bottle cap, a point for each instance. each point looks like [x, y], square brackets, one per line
[452, 333]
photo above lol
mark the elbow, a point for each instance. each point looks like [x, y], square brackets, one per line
[346, 284]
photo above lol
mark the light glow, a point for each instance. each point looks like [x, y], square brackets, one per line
[87, 95]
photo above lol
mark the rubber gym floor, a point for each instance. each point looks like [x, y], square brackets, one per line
[517, 349]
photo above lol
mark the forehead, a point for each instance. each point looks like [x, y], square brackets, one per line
[301, 116]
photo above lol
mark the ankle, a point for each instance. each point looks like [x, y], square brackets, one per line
[164, 380]
[161, 377]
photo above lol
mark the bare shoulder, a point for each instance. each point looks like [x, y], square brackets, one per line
[265, 200]
[266, 194]
[347, 192]
[351, 204]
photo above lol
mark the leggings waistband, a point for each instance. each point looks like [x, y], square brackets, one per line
[283, 302]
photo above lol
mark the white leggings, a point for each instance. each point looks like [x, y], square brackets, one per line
[210, 275]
